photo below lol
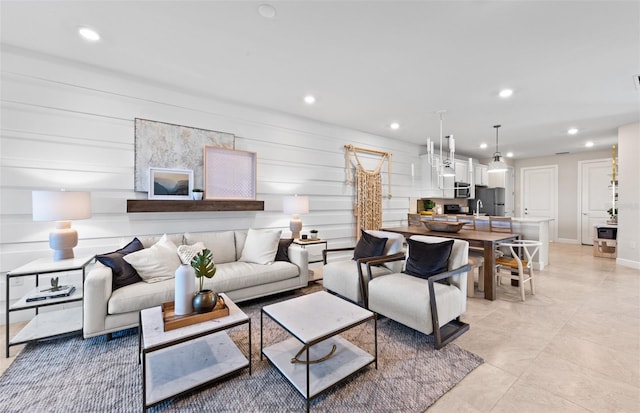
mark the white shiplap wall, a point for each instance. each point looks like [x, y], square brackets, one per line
[68, 125]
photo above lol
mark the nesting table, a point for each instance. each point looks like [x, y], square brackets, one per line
[177, 361]
[315, 322]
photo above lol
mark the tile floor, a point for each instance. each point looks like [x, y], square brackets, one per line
[573, 347]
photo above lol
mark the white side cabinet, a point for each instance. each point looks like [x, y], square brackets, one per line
[52, 323]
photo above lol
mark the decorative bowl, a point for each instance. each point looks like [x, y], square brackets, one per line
[443, 226]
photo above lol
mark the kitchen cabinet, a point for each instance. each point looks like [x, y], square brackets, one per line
[462, 171]
[431, 185]
[481, 175]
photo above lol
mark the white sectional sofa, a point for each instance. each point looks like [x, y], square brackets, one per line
[107, 310]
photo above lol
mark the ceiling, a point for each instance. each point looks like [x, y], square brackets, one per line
[370, 63]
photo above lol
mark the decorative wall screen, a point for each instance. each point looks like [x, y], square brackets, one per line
[165, 145]
[229, 174]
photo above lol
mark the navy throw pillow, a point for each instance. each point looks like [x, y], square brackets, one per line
[369, 246]
[283, 249]
[123, 272]
[426, 259]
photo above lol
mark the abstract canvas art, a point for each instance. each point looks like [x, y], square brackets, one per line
[164, 145]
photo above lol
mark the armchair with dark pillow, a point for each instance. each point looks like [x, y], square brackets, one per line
[431, 294]
[346, 277]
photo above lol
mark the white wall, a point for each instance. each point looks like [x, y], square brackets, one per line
[568, 202]
[629, 195]
[67, 125]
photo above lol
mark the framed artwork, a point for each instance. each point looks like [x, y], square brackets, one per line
[229, 174]
[172, 146]
[167, 183]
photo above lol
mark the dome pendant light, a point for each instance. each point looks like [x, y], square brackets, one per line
[497, 164]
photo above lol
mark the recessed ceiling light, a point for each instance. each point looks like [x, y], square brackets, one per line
[509, 154]
[89, 34]
[483, 146]
[588, 144]
[267, 11]
[395, 126]
[505, 93]
[572, 131]
[309, 99]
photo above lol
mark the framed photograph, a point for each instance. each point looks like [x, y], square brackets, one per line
[170, 183]
[229, 174]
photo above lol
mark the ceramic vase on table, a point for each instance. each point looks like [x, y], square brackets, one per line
[185, 288]
[204, 301]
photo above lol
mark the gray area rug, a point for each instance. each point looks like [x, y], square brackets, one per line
[96, 375]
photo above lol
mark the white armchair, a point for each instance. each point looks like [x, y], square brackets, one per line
[346, 277]
[430, 305]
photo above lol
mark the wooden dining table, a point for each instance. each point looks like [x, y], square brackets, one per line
[481, 239]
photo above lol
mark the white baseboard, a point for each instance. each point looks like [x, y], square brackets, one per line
[628, 263]
[567, 241]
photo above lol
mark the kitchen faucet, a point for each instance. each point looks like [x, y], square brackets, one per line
[478, 206]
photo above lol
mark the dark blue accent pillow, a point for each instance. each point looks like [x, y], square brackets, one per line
[426, 259]
[369, 246]
[123, 272]
[283, 249]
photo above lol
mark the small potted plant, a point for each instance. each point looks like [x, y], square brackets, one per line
[197, 194]
[428, 206]
[613, 213]
[313, 234]
[205, 299]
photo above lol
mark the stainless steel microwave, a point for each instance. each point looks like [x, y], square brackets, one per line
[462, 190]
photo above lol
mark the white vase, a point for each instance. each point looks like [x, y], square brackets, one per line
[185, 288]
[197, 196]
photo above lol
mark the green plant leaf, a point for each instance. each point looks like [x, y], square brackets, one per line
[204, 265]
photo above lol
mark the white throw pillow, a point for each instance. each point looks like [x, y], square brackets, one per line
[187, 252]
[156, 263]
[260, 246]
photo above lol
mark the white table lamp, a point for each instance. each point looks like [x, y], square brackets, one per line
[61, 206]
[295, 205]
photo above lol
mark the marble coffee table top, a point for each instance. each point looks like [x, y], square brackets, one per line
[153, 328]
[314, 316]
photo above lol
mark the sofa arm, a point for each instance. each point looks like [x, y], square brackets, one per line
[300, 257]
[97, 291]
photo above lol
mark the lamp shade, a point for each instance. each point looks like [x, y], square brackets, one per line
[61, 205]
[295, 204]
[497, 165]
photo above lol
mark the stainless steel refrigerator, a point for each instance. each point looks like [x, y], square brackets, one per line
[492, 200]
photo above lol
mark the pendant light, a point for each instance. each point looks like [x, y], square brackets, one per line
[442, 166]
[497, 164]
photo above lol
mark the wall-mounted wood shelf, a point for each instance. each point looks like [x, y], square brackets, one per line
[160, 205]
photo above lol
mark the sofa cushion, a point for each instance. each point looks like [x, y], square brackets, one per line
[426, 259]
[221, 244]
[261, 246]
[149, 240]
[123, 273]
[187, 252]
[241, 237]
[238, 275]
[369, 246]
[283, 249]
[229, 277]
[156, 263]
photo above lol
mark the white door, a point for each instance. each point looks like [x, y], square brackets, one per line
[596, 196]
[509, 193]
[540, 194]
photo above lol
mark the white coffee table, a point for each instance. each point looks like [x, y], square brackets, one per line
[177, 361]
[315, 322]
